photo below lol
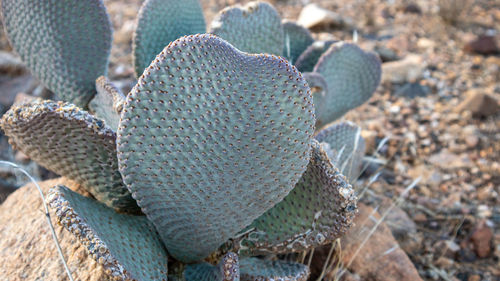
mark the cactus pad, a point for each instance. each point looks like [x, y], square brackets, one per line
[210, 138]
[128, 247]
[318, 86]
[297, 39]
[108, 102]
[161, 22]
[227, 270]
[346, 147]
[318, 210]
[254, 269]
[66, 44]
[71, 143]
[352, 76]
[255, 28]
[308, 59]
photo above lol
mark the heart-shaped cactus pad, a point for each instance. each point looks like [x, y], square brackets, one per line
[212, 137]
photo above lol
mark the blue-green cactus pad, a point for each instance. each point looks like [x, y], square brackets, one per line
[297, 39]
[227, 270]
[72, 143]
[108, 102]
[318, 210]
[66, 44]
[255, 269]
[352, 76]
[318, 86]
[127, 246]
[254, 28]
[161, 22]
[210, 138]
[308, 59]
[344, 146]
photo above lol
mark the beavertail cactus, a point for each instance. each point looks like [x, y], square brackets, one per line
[108, 103]
[345, 147]
[257, 269]
[127, 246]
[73, 143]
[309, 58]
[311, 219]
[161, 22]
[297, 40]
[213, 156]
[350, 85]
[228, 269]
[255, 28]
[66, 44]
[212, 137]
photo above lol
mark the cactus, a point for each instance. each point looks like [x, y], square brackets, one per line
[66, 44]
[258, 269]
[108, 103]
[126, 246]
[161, 22]
[227, 270]
[72, 143]
[197, 131]
[311, 219]
[308, 59]
[297, 40]
[359, 76]
[255, 28]
[214, 150]
[345, 147]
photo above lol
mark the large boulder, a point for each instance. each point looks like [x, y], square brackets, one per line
[27, 249]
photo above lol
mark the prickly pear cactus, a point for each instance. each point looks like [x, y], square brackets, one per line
[161, 22]
[227, 270]
[212, 137]
[254, 28]
[308, 59]
[318, 210]
[108, 102]
[297, 39]
[345, 147]
[253, 269]
[66, 44]
[71, 143]
[352, 76]
[128, 247]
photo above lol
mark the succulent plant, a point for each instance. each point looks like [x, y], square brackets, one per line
[212, 159]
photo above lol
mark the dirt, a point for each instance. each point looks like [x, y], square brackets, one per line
[418, 123]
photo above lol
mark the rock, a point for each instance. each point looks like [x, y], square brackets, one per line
[483, 45]
[6, 189]
[386, 54]
[380, 258]
[482, 239]
[28, 250]
[426, 43]
[314, 17]
[20, 157]
[11, 65]
[446, 248]
[413, 90]
[370, 138]
[23, 98]
[447, 160]
[11, 86]
[412, 8]
[480, 104]
[409, 69]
